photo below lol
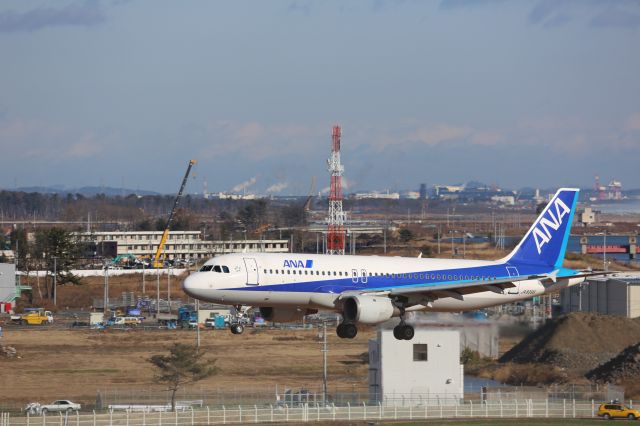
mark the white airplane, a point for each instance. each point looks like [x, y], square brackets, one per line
[373, 289]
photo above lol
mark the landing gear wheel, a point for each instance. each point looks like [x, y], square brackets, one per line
[403, 332]
[237, 328]
[346, 331]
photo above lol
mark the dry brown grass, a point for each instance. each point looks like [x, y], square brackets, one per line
[74, 364]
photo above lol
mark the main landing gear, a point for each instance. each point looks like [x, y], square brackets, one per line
[346, 330]
[403, 331]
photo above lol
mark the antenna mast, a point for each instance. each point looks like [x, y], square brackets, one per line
[336, 219]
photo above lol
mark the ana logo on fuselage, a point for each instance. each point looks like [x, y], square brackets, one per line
[541, 233]
[298, 263]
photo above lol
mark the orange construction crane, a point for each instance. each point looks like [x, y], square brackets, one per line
[165, 234]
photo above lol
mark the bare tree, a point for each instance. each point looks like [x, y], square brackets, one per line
[183, 365]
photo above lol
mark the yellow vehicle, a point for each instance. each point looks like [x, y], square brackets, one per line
[617, 411]
[126, 321]
[33, 316]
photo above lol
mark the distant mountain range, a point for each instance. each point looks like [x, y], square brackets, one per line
[87, 191]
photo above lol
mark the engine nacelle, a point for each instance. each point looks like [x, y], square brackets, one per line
[285, 314]
[368, 309]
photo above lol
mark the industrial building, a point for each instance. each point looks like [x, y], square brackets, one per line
[614, 295]
[412, 372]
[179, 245]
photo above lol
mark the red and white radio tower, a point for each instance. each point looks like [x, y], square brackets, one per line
[335, 234]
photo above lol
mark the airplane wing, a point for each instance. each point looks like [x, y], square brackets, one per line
[458, 290]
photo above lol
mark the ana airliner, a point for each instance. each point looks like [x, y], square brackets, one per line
[373, 289]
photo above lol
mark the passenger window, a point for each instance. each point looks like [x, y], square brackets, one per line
[288, 272]
[421, 276]
[226, 269]
[217, 268]
[466, 277]
[271, 271]
[433, 277]
[276, 271]
[334, 273]
[265, 271]
[306, 272]
[449, 277]
[340, 273]
[322, 272]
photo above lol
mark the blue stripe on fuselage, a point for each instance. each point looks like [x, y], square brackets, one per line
[374, 283]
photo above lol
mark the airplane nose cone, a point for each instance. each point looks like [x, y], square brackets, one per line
[189, 285]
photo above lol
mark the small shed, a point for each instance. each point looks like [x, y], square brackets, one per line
[413, 372]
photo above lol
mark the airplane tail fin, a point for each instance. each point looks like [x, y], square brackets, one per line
[546, 241]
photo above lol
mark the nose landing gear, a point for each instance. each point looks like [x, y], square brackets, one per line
[235, 325]
[236, 328]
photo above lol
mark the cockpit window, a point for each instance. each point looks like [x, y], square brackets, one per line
[225, 269]
[217, 268]
[206, 268]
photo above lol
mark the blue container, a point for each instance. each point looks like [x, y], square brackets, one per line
[219, 321]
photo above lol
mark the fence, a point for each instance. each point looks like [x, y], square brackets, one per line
[315, 412]
[354, 394]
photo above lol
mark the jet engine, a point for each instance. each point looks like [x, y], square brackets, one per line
[285, 314]
[368, 309]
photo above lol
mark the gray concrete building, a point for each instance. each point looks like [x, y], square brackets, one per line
[618, 294]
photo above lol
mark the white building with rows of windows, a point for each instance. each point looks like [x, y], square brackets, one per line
[179, 244]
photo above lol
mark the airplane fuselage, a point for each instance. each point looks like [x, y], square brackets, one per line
[318, 281]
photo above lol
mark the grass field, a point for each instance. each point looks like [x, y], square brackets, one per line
[75, 364]
[485, 422]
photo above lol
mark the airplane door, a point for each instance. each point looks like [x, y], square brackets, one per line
[354, 276]
[513, 272]
[252, 270]
[363, 276]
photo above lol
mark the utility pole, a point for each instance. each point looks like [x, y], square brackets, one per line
[384, 236]
[464, 244]
[324, 363]
[105, 305]
[143, 282]
[604, 253]
[55, 281]
[157, 293]
[197, 323]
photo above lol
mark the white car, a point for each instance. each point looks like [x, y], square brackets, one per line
[61, 405]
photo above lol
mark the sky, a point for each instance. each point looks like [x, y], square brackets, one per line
[528, 93]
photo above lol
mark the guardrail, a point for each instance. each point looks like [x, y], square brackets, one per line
[315, 412]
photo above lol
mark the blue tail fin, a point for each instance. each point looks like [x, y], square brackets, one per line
[546, 241]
